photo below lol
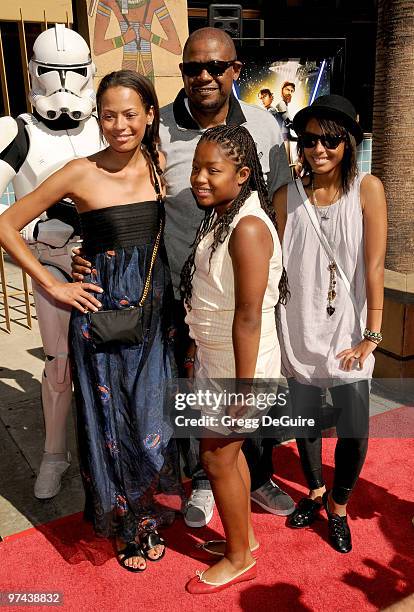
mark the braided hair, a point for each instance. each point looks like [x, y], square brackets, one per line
[145, 90]
[239, 147]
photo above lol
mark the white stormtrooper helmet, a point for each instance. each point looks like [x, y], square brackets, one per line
[62, 73]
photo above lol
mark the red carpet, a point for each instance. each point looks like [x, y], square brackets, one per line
[298, 571]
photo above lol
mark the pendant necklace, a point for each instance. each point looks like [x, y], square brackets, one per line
[323, 216]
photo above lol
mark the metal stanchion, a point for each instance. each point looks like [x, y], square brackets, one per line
[6, 294]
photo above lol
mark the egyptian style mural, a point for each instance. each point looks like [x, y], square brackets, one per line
[142, 35]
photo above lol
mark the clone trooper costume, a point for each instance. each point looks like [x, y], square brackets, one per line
[32, 147]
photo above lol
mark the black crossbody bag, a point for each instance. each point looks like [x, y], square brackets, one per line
[109, 327]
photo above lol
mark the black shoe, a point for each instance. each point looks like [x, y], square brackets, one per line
[304, 513]
[338, 529]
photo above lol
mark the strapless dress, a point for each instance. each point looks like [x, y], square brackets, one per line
[126, 451]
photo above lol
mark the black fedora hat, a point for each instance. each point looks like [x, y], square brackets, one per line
[330, 107]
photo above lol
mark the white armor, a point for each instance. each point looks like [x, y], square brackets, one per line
[49, 151]
[31, 149]
[62, 75]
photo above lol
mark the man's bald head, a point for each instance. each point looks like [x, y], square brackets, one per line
[204, 34]
[209, 92]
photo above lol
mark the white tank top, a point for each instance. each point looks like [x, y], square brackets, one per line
[211, 317]
[310, 339]
[212, 312]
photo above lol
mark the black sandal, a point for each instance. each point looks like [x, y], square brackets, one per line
[132, 549]
[150, 539]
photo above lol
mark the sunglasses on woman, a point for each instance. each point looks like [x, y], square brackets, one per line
[215, 68]
[329, 141]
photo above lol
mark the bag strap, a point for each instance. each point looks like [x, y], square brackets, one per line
[160, 201]
[153, 258]
[323, 240]
[325, 244]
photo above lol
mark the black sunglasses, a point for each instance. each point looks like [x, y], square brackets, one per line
[215, 68]
[329, 141]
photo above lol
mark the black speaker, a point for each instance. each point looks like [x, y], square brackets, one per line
[227, 17]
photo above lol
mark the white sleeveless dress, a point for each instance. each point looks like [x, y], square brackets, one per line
[211, 318]
[310, 338]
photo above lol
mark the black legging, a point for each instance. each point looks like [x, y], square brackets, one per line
[351, 405]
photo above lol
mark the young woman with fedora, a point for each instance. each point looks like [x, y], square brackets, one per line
[333, 225]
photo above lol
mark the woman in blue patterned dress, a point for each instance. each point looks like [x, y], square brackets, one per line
[126, 451]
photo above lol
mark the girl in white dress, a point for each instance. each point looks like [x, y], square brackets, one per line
[230, 285]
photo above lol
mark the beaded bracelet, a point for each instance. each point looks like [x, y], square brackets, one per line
[373, 336]
[188, 362]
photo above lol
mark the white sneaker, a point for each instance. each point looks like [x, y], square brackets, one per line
[199, 508]
[49, 480]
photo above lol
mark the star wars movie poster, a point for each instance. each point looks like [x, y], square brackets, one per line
[310, 79]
